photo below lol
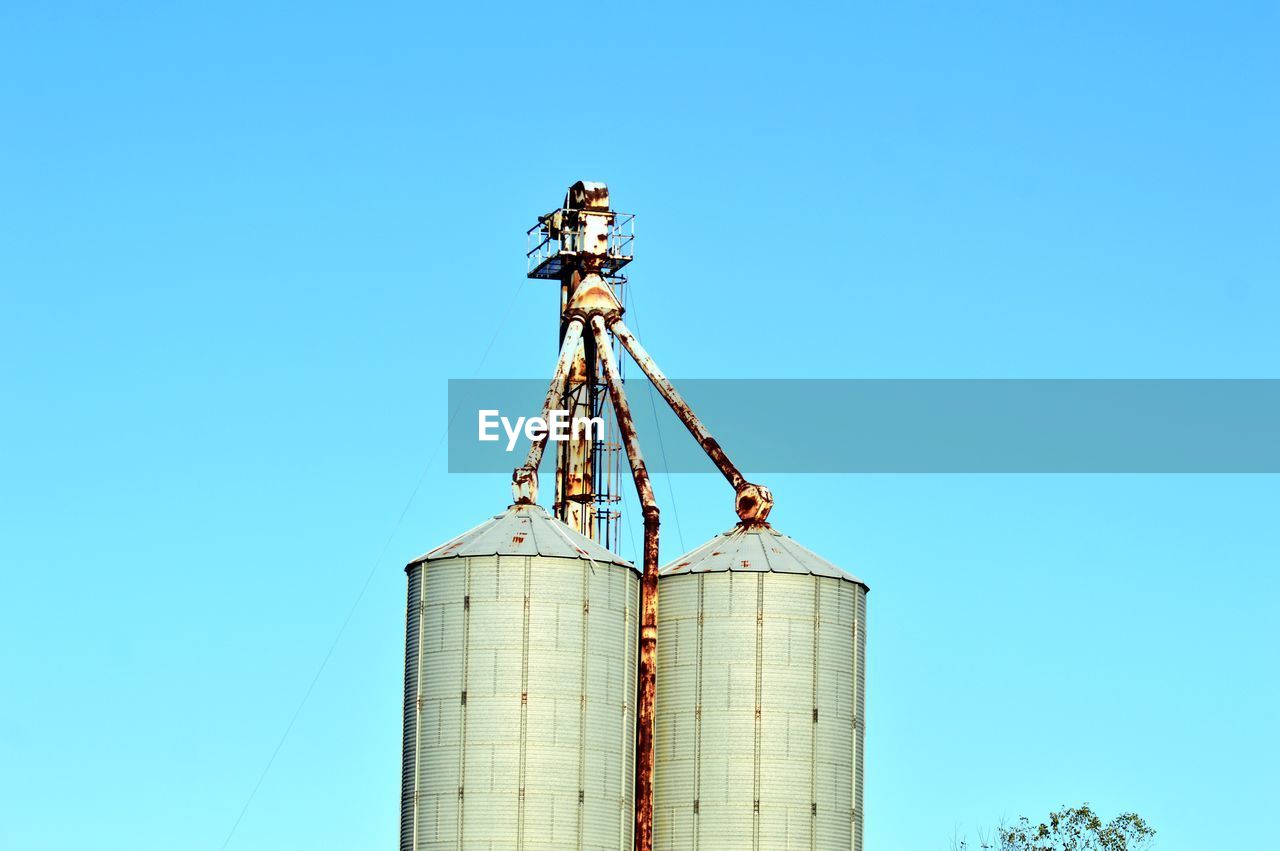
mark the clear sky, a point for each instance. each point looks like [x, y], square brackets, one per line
[243, 246]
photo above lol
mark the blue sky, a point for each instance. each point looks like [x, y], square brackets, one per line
[243, 247]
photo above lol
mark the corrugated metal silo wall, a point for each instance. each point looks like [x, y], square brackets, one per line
[759, 718]
[520, 685]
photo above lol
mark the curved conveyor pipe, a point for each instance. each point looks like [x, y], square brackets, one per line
[753, 502]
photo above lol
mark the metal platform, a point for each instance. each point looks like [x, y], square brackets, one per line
[551, 249]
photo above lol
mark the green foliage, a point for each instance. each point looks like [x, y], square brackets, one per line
[1070, 829]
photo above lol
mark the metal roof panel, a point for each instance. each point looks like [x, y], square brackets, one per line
[757, 548]
[524, 530]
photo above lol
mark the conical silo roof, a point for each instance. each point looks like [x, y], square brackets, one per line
[523, 530]
[758, 548]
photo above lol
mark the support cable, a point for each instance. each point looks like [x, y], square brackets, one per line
[662, 447]
[368, 580]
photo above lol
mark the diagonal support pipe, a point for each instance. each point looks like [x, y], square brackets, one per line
[752, 502]
[648, 590]
[524, 481]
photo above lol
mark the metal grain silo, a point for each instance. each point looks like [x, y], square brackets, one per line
[520, 688]
[760, 694]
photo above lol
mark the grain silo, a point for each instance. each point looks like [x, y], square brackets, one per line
[759, 717]
[544, 708]
[520, 687]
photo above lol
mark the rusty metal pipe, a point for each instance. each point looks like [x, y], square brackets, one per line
[752, 502]
[677, 403]
[646, 682]
[524, 481]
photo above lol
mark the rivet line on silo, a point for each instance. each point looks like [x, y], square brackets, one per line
[582, 705]
[697, 710]
[854, 713]
[421, 603]
[524, 701]
[813, 758]
[755, 779]
[462, 721]
[626, 820]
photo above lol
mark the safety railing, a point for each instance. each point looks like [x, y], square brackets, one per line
[548, 247]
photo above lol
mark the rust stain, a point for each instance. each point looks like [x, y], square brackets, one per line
[753, 504]
[445, 550]
[646, 673]
[587, 195]
[647, 684]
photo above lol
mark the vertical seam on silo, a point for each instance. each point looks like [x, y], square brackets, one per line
[420, 603]
[755, 774]
[813, 741]
[417, 755]
[624, 812]
[582, 704]
[524, 702]
[860, 633]
[462, 721]
[853, 714]
[697, 714]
